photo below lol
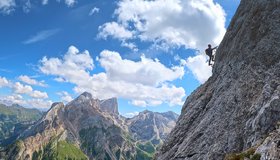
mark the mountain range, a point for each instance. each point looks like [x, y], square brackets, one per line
[88, 128]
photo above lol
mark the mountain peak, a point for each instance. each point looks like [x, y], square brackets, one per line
[56, 104]
[146, 112]
[84, 97]
[87, 95]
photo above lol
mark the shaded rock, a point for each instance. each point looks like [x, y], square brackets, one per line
[239, 105]
[109, 106]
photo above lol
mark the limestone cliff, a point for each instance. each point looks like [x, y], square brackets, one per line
[239, 106]
[110, 106]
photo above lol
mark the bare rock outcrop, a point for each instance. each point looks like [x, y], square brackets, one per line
[239, 106]
[110, 106]
[270, 148]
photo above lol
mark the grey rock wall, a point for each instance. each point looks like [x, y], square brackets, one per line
[239, 105]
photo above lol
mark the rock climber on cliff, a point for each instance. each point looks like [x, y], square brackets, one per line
[209, 52]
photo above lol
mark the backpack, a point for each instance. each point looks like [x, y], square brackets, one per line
[208, 51]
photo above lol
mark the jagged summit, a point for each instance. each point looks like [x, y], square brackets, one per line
[238, 107]
[84, 95]
[146, 112]
[56, 104]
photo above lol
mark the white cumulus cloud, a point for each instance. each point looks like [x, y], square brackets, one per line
[38, 94]
[146, 80]
[65, 96]
[72, 67]
[22, 89]
[115, 30]
[147, 71]
[26, 79]
[129, 45]
[192, 23]
[199, 67]
[26, 89]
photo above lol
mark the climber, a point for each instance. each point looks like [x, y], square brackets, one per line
[209, 52]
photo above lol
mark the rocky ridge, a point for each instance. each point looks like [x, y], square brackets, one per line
[238, 108]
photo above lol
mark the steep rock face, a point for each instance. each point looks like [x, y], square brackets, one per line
[152, 126]
[110, 106]
[99, 135]
[239, 105]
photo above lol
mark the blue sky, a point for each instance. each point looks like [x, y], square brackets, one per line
[149, 54]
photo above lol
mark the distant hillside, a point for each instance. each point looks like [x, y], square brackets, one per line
[14, 120]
